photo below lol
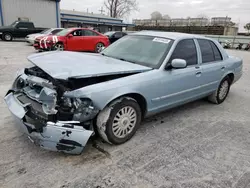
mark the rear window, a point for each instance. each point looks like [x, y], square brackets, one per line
[209, 51]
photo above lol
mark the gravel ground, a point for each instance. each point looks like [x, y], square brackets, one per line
[195, 145]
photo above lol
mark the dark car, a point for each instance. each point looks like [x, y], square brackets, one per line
[114, 35]
[18, 29]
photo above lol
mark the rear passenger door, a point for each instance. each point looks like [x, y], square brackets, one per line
[90, 39]
[212, 65]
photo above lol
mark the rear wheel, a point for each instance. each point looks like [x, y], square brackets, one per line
[59, 47]
[98, 47]
[221, 93]
[7, 37]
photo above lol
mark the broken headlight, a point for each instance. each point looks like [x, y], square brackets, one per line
[82, 108]
[20, 82]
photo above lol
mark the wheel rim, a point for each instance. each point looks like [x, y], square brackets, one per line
[59, 47]
[99, 47]
[223, 90]
[7, 37]
[124, 122]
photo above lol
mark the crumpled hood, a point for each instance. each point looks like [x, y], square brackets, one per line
[53, 38]
[64, 65]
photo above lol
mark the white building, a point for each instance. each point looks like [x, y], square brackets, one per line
[43, 13]
[221, 21]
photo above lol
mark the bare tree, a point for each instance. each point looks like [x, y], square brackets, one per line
[120, 8]
[156, 15]
[247, 27]
[166, 16]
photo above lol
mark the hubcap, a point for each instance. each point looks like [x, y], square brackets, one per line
[99, 47]
[7, 37]
[124, 122]
[223, 90]
[59, 47]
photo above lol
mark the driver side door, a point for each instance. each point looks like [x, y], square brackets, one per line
[178, 86]
[74, 43]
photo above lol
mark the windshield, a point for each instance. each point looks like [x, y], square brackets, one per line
[144, 50]
[64, 32]
[46, 31]
[109, 33]
[14, 24]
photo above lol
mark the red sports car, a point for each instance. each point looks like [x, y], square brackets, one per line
[73, 39]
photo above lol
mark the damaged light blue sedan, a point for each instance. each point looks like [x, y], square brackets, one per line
[66, 97]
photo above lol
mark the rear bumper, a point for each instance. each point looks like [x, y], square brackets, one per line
[65, 137]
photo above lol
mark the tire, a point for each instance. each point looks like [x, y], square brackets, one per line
[119, 121]
[98, 47]
[221, 93]
[7, 37]
[59, 47]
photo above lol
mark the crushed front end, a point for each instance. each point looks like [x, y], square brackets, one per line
[49, 119]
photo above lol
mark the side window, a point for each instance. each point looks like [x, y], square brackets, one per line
[186, 50]
[23, 25]
[89, 33]
[217, 54]
[207, 52]
[118, 35]
[77, 33]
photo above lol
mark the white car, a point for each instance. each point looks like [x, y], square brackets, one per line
[52, 31]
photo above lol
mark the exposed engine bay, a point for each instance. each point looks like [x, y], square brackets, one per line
[45, 95]
[49, 118]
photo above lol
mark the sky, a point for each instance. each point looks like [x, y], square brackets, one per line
[238, 10]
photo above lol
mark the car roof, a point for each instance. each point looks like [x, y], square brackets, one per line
[170, 35]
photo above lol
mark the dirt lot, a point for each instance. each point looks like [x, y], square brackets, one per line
[195, 145]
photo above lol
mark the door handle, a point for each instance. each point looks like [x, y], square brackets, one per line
[198, 73]
[223, 68]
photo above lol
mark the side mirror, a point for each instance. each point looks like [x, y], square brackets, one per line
[179, 63]
[70, 35]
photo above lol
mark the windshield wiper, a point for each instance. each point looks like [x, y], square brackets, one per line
[122, 59]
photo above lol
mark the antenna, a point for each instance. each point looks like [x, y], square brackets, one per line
[101, 10]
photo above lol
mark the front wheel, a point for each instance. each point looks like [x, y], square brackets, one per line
[98, 47]
[221, 93]
[59, 47]
[7, 37]
[119, 121]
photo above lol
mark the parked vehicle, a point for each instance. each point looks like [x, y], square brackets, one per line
[73, 39]
[68, 94]
[227, 44]
[52, 31]
[247, 47]
[18, 29]
[114, 35]
[239, 47]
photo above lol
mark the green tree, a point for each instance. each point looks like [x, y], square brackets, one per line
[247, 27]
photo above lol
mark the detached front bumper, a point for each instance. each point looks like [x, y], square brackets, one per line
[65, 137]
